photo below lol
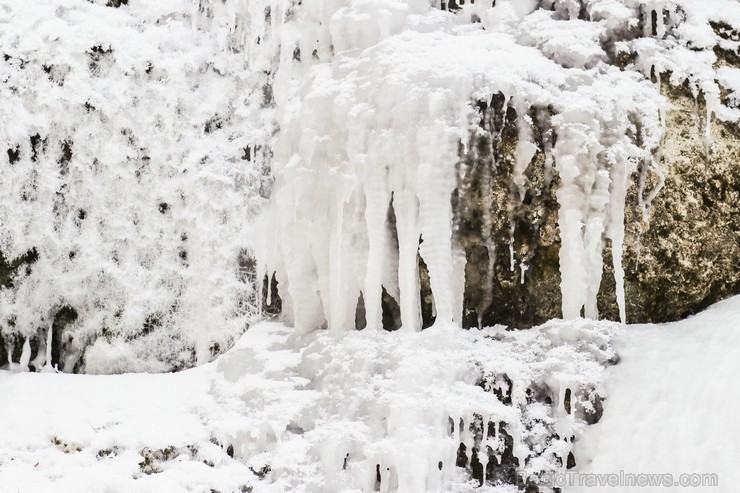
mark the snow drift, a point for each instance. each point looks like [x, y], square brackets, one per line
[375, 410]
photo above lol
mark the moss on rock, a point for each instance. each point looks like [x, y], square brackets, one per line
[686, 257]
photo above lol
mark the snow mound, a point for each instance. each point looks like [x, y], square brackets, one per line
[413, 411]
[379, 411]
[670, 409]
[357, 411]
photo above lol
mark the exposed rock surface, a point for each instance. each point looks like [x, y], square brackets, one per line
[683, 258]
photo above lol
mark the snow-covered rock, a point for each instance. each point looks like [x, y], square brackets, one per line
[520, 141]
[131, 166]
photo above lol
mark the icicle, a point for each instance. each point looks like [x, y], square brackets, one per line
[620, 174]
[660, 23]
[458, 283]
[338, 303]
[49, 338]
[497, 437]
[524, 268]
[483, 452]
[406, 206]
[646, 14]
[456, 441]
[512, 261]
[708, 127]
[598, 198]
[525, 151]
[40, 360]
[644, 202]
[581, 213]
[547, 150]
[25, 355]
[487, 234]
[376, 209]
[385, 476]
[469, 442]
[261, 285]
[435, 186]
[662, 110]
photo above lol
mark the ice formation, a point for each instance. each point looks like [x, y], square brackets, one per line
[411, 412]
[373, 123]
[320, 412]
[141, 141]
[300, 411]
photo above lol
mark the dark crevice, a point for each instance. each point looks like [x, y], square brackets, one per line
[63, 317]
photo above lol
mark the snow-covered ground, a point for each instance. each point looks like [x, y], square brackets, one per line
[78, 433]
[311, 412]
[673, 402]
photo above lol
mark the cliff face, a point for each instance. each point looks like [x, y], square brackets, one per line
[681, 257]
[491, 162]
[562, 204]
[688, 257]
[681, 250]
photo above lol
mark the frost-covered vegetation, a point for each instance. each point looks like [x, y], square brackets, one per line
[132, 169]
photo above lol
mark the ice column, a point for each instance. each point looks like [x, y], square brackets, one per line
[582, 196]
[377, 199]
[435, 185]
[620, 174]
[406, 207]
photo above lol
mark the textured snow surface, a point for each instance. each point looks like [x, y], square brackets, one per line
[81, 433]
[673, 402]
[324, 412]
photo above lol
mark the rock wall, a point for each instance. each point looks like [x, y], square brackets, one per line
[133, 165]
[681, 256]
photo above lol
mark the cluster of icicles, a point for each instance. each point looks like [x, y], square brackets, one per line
[364, 162]
[368, 142]
[405, 411]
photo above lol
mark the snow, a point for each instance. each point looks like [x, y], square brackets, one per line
[73, 433]
[142, 143]
[570, 43]
[672, 405]
[318, 412]
[131, 183]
